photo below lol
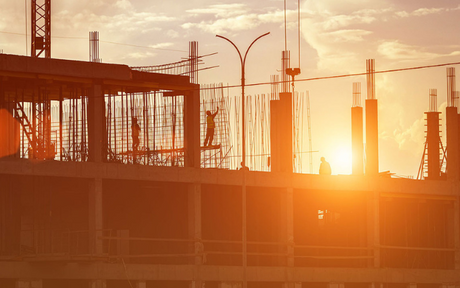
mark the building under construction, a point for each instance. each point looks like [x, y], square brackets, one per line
[105, 183]
[81, 207]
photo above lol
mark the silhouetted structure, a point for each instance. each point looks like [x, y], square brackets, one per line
[357, 147]
[86, 218]
[372, 124]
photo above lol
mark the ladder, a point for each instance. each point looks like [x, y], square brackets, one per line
[26, 126]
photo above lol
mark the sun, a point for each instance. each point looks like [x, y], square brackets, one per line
[341, 162]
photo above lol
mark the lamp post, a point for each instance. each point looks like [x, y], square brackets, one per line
[243, 168]
[243, 61]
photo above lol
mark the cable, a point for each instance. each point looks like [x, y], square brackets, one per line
[344, 75]
[109, 42]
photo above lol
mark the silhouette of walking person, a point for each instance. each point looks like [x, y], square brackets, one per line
[210, 124]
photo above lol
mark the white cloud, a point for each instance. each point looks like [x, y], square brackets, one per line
[162, 45]
[221, 10]
[238, 23]
[352, 35]
[395, 50]
[427, 11]
[124, 4]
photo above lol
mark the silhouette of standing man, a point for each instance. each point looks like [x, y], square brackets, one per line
[210, 124]
[324, 167]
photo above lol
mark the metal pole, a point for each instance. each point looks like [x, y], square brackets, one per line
[243, 62]
[243, 168]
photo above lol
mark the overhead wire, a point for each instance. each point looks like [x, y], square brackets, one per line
[102, 41]
[345, 75]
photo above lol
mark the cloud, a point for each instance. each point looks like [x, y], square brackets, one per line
[424, 12]
[355, 35]
[124, 4]
[126, 22]
[139, 55]
[221, 10]
[162, 45]
[395, 50]
[238, 23]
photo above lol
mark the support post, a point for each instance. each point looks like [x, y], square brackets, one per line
[335, 285]
[456, 231]
[95, 216]
[194, 222]
[194, 226]
[97, 284]
[452, 142]
[287, 226]
[27, 283]
[357, 140]
[230, 285]
[192, 127]
[373, 228]
[375, 285]
[96, 125]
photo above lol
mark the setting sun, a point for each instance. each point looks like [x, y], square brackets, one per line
[341, 160]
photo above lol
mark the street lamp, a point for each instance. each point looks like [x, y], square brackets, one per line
[243, 61]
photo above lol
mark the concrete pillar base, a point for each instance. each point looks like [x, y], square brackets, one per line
[376, 285]
[231, 285]
[335, 285]
[292, 285]
[21, 283]
[449, 285]
[97, 284]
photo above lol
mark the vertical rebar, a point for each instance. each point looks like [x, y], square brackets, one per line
[450, 86]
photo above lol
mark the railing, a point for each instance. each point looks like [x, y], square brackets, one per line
[52, 245]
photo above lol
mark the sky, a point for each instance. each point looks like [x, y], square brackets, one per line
[337, 36]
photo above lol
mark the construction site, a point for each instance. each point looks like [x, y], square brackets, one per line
[105, 183]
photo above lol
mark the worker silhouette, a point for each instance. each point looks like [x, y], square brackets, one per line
[210, 124]
[324, 167]
[135, 131]
[244, 167]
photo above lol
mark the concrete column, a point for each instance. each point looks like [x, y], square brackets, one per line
[375, 285]
[335, 285]
[292, 285]
[432, 139]
[281, 133]
[197, 284]
[357, 148]
[194, 221]
[287, 224]
[27, 283]
[140, 284]
[452, 142]
[97, 140]
[286, 132]
[274, 135]
[456, 232]
[230, 285]
[123, 244]
[97, 284]
[372, 137]
[373, 228]
[449, 285]
[192, 128]
[95, 215]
